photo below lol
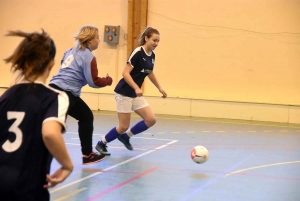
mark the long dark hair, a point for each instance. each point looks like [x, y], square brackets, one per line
[32, 55]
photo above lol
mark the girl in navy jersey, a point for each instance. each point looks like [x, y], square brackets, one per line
[78, 68]
[32, 117]
[129, 95]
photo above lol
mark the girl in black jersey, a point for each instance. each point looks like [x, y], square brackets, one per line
[129, 95]
[32, 117]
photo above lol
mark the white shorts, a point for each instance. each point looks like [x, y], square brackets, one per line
[127, 104]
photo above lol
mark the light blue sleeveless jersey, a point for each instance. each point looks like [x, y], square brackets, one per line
[75, 71]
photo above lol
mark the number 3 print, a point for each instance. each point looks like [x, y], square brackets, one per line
[13, 146]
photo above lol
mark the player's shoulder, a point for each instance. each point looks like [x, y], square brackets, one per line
[50, 93]
[137, 50]
[45, 91]
[37, 92]
[87, 52]
[60, 94]
[70, 50]
[6, 93]
[81, 53]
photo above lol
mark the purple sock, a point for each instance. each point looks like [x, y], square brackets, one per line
[137, 128]
[110, 136]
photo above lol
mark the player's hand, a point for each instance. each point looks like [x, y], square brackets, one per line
[138, 92]
[109, 80]
[163, 93]
[59, 176]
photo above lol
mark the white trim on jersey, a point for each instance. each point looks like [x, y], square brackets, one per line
[63, 105]
[146, 52]
[138, 49]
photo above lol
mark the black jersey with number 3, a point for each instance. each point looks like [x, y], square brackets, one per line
[24, 159]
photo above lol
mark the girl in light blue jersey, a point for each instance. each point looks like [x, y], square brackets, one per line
[129, 95]
[78, 68]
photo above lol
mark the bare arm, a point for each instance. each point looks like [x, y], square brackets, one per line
[155, 82]
[54, 142]
[127, 77]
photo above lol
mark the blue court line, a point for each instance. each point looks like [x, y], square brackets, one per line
[213, 180]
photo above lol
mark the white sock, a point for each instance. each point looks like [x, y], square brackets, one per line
[129, 133]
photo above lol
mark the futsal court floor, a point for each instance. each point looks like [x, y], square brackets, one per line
[248, 161]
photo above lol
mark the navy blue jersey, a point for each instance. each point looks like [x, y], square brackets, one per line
[24, 159]
[142, 65]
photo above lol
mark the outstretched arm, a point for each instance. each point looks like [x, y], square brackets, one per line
[155, 82]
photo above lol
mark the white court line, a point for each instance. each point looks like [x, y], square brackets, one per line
[137, 137]
[145, 138]
[70, 194]
[161, 147]
[109, 146]
[166, 145]
[261, 166]
[71, 132]
[126, 148]
[77, 133]
[132, 137]
[109, 168]
[152, 138]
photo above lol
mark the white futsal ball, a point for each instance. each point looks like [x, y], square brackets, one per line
[199, 154]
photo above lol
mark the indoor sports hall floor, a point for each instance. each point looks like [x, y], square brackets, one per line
[249, 161]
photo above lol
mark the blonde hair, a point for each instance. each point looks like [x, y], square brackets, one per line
[32, 55]
[85, 34]
[149, 31]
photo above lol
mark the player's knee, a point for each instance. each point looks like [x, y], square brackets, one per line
[150, 122]
[122, 128]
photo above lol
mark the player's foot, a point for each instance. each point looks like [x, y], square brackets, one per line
[92, 158]
[125, 142]
[101, 148]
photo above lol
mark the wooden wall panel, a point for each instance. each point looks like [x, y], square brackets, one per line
[137, 22]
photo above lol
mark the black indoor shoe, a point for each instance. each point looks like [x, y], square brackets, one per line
[101, 148]
[125, 142]
[92, 158]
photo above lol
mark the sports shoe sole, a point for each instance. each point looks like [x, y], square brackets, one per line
[97, 161]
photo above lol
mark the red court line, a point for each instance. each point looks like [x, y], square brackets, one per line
[120, 185]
